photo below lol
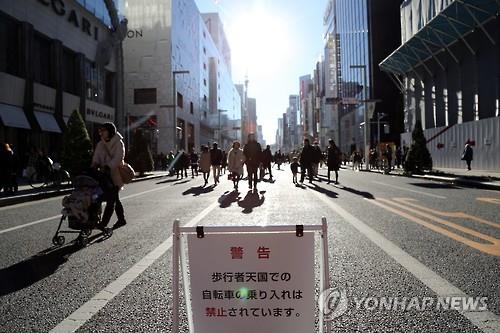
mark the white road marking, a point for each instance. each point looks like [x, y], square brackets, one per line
[486, 321]
[407, 189]
[29, 203]
[59, 216]
[78, 318]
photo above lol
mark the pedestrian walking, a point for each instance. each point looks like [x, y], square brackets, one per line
[399, 157]
[317, 157]
[193, 157]
[235, 161]
[267, 159]
[224, 162]
[333, 160]
[216, 161]
[278, 158]
[294, 166]
[306, 161]
[467, 155]
[252, 152]
[7, 167]
[108, 156]
[205, 163]
[388, 156]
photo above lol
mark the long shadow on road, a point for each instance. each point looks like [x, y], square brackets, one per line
[198, 190]
[364, 194]
[228, 198]
[38, 267]
[251, 201]
[34, 269]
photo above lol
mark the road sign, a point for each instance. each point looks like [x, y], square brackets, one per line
[247, 279]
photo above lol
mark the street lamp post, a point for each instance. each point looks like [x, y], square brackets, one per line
[365, 113]
[174, 99]
[379, 116]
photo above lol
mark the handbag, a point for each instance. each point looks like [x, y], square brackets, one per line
[127, 173]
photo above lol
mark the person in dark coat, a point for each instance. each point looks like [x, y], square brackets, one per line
[388, 155]
[317, 157]
[333, 160]
[216, 157]
[307, 157]
[467, 155]
[267, 159]
[193, 157]
[252, 152]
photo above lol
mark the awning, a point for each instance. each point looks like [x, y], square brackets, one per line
[47, 122]
[13, 116]
[450, 25]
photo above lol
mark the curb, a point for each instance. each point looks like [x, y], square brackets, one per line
[9, 201]
[452, 180]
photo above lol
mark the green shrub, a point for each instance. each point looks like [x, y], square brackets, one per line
[77, 147]
[418, 158]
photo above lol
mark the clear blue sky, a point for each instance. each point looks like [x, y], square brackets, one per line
[274, 42]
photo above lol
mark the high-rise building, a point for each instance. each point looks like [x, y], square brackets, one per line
[307, 120]
[448, 68]
[358, 34]
[176, 73]
[292, 113]
[57, 57]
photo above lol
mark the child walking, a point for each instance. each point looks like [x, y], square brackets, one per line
[294, 166]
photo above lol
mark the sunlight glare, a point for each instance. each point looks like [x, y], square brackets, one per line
[259, 41]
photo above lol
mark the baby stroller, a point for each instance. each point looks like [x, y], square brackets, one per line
[82, 209]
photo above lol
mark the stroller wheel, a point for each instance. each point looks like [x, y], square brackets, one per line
[58, 240]
[82, 241]
[108, 232]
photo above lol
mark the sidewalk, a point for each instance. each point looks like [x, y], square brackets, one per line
[475, 178]
[27, 193]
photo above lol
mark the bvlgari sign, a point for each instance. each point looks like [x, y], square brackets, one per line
[78, 21]
[98, 113]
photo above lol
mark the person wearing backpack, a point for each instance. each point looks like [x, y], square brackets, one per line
[108, 156]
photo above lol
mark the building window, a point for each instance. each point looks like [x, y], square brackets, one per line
[41, 60]
[145, 96]
[99, 83]
[191, 108]
[69, 75]
[205, 82]
[180, 100]
[204, 66]
[204, 34]
[204, 50]
[9, 46]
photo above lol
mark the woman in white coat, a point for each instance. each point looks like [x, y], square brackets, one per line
[235, 161]
[108, 156]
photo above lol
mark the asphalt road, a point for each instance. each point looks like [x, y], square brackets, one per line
[388, 237]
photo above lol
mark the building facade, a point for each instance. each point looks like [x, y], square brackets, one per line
[448, 68]
[358, 34]
[50, 66]
[176, 73]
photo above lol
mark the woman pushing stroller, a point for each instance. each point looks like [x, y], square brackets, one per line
[108, 156]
